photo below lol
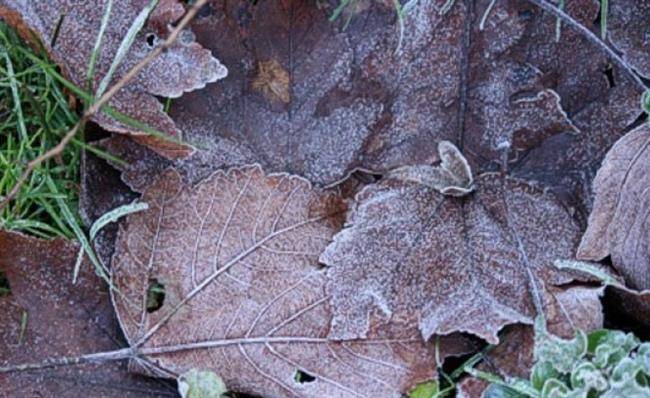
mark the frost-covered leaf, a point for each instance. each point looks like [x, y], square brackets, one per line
[237, 257]
[631, 302]
[619, 224]
[306, 96]
[68, 30]
[612, 348]
[410, 256]
[46, 316]
[587, 376]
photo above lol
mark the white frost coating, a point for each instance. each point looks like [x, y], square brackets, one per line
[444, 265]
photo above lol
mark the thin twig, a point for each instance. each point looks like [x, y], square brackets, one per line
[589, 35]
[96, 107]
[133, 352]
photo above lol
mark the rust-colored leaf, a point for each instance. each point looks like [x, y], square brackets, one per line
[237, 256]
[410, 258]
[619, 224]
[46, 316]
[184, 67]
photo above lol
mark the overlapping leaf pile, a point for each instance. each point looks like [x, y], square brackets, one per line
[68, 30]
[285, 288]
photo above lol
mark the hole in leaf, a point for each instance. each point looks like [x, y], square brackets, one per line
[151, 39]
[609, 74]
[155, 295]
[303, 377]
[5, 289]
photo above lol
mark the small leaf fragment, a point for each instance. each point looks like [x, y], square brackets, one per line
[427, 389]
[452, 177]
[197, 383]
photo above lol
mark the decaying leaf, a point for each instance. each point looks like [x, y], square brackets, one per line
[244, 295]
[452, 177]
[68, 30]
[410, 258]
[619, 224]
[45, 316]
[307, 97]
[598, 98]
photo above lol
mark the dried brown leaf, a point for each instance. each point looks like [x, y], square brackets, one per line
[184, 67]
[411, 258]
[245, 296]
[619, 224]
[307, 97]
[599, 99]
[60, 319]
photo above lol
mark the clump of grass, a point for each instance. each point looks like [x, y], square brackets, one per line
[35, 113]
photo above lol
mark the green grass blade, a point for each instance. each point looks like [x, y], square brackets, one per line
[90, 74]
[73, 222]
[125, 45]
[604, 10]
[558, 22]
[121, 117]
[13, 83]
[339, 9]
[104, 220]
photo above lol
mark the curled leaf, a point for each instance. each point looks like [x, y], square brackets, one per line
[452, 177]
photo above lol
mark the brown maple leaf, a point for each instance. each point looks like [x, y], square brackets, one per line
[46, 316]
[237, 256]
[410, 258]
[68, 30]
